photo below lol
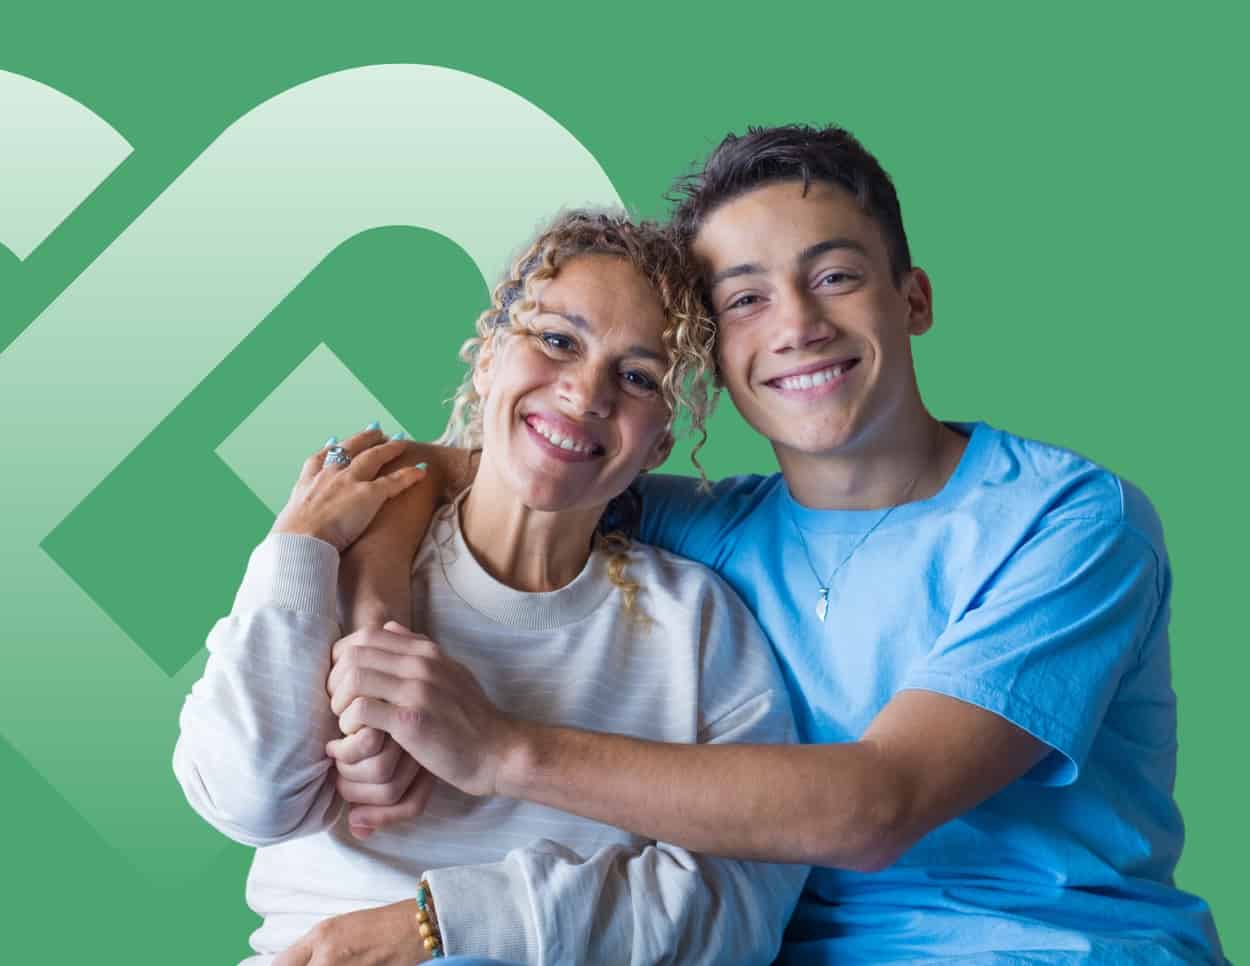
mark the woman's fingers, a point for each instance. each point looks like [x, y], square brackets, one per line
[394, 483]
[362, 442]
[364, 819]
[376, 769]
[357, 747]
[372, 455]
[388, 792]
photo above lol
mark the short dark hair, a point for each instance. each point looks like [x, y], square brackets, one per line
[791, 152]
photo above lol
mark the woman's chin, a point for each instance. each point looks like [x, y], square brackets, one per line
[547, 495]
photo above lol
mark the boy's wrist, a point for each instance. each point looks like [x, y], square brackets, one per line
[529, 752]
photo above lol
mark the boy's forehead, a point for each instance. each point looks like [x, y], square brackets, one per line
[776, 222]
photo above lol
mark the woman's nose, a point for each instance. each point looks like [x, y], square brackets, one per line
[588, 390]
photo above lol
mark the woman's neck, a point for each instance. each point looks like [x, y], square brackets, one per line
[527, 549]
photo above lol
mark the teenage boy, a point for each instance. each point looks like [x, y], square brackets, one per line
[973, 626]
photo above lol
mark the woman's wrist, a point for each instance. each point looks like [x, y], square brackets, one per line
[426, 919]
[300, 529]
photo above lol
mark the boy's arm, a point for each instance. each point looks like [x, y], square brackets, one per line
[1073, 606]
[378, 780]
[375, 575]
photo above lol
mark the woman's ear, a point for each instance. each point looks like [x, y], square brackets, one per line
[659, 451]
[482, 367]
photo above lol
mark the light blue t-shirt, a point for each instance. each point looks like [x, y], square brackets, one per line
[1036, 585]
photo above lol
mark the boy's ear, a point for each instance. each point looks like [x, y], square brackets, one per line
[659, 452]
[919, 292]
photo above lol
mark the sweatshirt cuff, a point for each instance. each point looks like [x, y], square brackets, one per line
[293, 572]
[484, 911]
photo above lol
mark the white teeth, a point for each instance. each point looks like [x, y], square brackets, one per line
[556, 439]
[812, 379]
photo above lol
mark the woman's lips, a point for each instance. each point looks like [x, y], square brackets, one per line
[561, 444]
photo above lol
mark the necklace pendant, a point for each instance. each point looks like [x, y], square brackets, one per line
[822, 608]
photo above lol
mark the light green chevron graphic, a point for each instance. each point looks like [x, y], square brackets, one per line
[53, 153]
[266, 446]
[156, 313]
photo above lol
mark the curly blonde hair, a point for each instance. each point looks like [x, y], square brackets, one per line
[688, 387]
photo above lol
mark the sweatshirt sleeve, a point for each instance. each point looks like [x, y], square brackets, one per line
[657, 903]
[251, 755]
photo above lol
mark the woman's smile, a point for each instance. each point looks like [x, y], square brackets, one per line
[562, 439]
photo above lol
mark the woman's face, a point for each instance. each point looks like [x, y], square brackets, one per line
[572, 410]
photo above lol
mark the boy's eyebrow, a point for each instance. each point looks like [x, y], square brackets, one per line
[829, 245]
[746, 268]
[806, 255]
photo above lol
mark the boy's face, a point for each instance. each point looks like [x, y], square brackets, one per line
[814, 336]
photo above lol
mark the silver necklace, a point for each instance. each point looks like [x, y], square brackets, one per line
[822, 603]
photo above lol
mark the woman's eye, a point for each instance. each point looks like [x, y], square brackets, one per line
[554, 340]
[640, 380]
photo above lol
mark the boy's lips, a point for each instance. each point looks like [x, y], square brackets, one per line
[815, 379]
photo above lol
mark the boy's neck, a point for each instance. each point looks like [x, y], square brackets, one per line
[907, 462]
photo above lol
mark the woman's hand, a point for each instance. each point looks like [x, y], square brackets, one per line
[335, 503]
[382, 782]
[385, 936]
[402, 683]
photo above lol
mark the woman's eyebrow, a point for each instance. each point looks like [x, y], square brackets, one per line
[581, 322]
[573, 318]
[642, 350]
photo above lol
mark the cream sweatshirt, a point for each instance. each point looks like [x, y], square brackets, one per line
[510, 879]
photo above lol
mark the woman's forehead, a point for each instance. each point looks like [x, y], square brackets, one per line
[606, 297]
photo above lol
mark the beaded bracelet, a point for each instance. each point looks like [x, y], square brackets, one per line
[427, 921]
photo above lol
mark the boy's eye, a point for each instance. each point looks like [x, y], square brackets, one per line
[835, 278]
[742, 301]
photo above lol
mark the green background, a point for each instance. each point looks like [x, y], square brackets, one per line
[1071, 177]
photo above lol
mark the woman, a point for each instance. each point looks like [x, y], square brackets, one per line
[578, 370]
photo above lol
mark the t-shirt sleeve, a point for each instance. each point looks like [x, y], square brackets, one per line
[685, 518]
[1047, 640]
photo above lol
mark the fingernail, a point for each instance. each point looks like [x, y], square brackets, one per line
[373, 425]
[332, 441]
[400, 435]
[422, 466]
